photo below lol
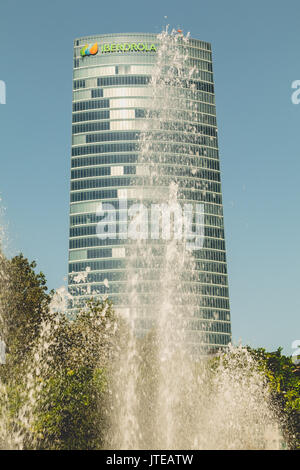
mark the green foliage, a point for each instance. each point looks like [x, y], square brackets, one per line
[69, 416]
[72, 408]
[55, 384]
[24, 304]
[55, 387]
[284, 380]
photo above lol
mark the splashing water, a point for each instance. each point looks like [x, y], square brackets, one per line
[165, 397]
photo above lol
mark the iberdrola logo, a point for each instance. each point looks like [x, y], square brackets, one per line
[91, 49]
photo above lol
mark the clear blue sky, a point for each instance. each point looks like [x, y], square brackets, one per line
[256, 51]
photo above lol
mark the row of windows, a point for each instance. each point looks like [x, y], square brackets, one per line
[96, 265]
[105, 148]
[199, 185]
[190, 106]
[213, 302]
[200, 74]
[93, 218]
[212, 267]
[204, 278]
[92, 230]
[149, 287]
[145, 80]
[183, 100]
[97, 93]
[103, 160]
[214, 244]
[100, 253]
[102, 183]
[102, 69]
[199, 117]
[124, 80]
[185, 160]
[200, 54]
[113, 193]
[200, 254]
[202, 86]
[91, 127]
[183, 149]
[90, 116]
[111, 136]
[121, 92]
[87, 219]
[210, 326]
[191, 115]
[166, 170]
[200, 196]
[190, 172]
[183, 127]
[78, 208]
[211, 243]
[195, 43]
[179, 161]
[90, 104]
[188, 127]
[156, 147]
[141, 113]
[106, 69]
[100, 171]
[121, 264]
[93, 241]
[203, 108]
[78, 84]
[213, 220]
[199, 112]
[157, 136]
[212, 255]
[209, 314]
[92, 195]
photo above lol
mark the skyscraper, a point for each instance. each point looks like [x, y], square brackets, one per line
[110, 100]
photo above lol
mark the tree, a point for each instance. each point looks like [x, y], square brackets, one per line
[284, 379]
[73, 403]
[24, 305]
[54, 386]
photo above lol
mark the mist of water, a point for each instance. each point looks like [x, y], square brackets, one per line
[165, 397]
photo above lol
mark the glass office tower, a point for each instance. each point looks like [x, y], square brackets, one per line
[110, 95]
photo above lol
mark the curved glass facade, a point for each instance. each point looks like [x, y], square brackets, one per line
[110, 96]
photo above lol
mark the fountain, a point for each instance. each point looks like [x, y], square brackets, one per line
[166, 395]
[163, 392]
